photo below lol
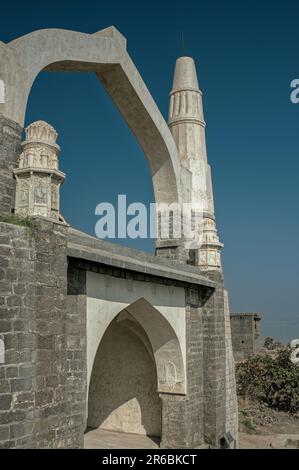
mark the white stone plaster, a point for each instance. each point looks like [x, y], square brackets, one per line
[107, 296]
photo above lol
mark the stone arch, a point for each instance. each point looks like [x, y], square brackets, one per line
[123, 387]
[132, 404]
[105, 54]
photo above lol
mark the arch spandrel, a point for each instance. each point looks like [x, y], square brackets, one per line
[165, 344]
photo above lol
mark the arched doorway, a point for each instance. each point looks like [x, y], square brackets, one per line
[123, 393]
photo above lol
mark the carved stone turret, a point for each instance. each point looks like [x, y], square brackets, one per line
[38, 176]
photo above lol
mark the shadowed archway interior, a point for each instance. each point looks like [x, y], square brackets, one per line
[123, 387]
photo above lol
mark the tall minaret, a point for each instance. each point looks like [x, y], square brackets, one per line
[186, 122]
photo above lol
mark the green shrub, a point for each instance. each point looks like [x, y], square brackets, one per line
[247, 422]
[272, 380]
[271, 344]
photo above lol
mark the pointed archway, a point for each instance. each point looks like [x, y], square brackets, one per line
[123, 393]
[138, 357]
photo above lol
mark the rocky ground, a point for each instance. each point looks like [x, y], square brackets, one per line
[264, 428]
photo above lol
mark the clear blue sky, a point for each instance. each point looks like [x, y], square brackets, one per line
[247, 53]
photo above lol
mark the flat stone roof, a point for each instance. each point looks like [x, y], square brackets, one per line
[86, 247]
[246, 314]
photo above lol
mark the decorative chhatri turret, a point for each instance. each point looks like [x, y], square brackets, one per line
[38, 176]
[187, 124]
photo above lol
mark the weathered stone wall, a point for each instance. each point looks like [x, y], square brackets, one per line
[171, 251]
[245, 329]
[10, 149]
[53, 427]
[210, 383]
[37, 382]
[195, 366]
[43, 382]
[182, 415]
[214, 363]
[17, 325]
[76, 344]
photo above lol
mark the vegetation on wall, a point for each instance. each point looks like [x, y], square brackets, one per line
[16, 220]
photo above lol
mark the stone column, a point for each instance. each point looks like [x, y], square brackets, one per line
[174, 423]
[10, 149]
[214, 358]
[76, 350]
[183, 415]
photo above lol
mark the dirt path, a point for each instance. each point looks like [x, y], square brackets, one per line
[270, 429]
[274, 441]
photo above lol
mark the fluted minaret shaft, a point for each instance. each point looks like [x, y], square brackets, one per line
[187, 124]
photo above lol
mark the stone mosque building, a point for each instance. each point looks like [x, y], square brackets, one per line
[97, 335]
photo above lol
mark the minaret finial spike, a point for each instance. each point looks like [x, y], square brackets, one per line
[183, 43]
